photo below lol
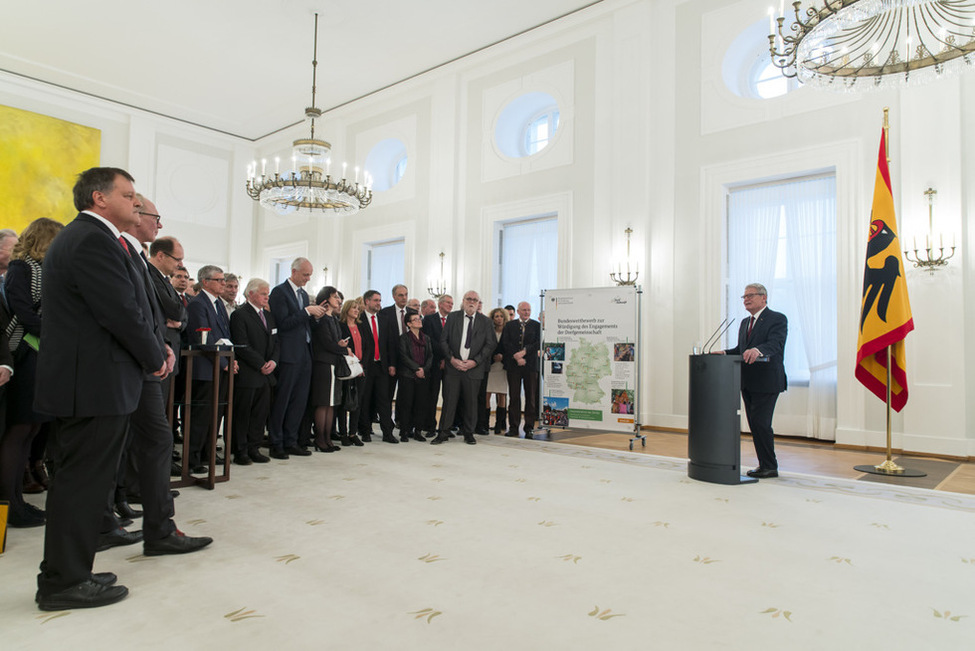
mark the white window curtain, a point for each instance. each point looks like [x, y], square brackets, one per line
[386, 267]
[529, 260]
[783, 235]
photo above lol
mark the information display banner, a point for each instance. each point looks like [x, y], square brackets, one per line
[590, 347]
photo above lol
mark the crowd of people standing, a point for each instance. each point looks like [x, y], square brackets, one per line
[118, 307]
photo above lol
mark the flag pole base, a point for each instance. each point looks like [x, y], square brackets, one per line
[890, 469]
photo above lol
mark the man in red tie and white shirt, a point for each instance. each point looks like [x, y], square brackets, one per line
[379, 338]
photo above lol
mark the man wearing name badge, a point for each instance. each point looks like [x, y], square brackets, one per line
[467, 343]
[95, 347]
[294, 315]
[761, 344]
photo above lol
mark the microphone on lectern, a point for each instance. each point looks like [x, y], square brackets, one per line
[720, 334]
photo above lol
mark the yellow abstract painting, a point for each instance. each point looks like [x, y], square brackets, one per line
[42, 157]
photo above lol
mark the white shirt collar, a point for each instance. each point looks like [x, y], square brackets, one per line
[111, 226]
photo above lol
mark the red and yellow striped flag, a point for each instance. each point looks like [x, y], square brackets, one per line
[885, 311]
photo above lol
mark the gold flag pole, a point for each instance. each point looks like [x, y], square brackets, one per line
[888, 467]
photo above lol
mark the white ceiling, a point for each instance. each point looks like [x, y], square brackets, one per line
[244, 66]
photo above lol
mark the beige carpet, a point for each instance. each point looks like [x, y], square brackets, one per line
[516, 544]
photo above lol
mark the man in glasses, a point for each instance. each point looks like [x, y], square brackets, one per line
[761, 344]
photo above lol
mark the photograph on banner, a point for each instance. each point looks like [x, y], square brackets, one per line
[589, 353]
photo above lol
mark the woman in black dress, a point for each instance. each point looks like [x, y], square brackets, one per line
[326, 346]
[22, 288]
[413, 370]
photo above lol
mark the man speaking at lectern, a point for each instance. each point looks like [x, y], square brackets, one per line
[761, 344]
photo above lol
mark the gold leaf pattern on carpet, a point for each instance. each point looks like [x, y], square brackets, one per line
[775, 612]
[46, 617]
[429, 613]
[570, 557]
[705, 560]
[431, 558]
[840, 559]
[604, 615]
[947, 616]
[287, 558]
[241, 614]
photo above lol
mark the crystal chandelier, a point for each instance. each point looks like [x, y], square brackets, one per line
[309, 183]
[866, 44]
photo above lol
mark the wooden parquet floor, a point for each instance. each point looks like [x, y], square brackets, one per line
[797, 455]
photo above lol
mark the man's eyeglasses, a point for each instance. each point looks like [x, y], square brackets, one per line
[172, 257]
[750, 296]
[158, 220]
[218, 280]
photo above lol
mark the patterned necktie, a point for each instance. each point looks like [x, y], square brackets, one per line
[260, 313]
[470, 332]
[443, 321]
[375, 338]
[751, 324]
[302, 298]
[222, 315]
[401, 324]
[521, 339]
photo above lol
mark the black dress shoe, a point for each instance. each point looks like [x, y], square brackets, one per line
[242, 460]
[389, 438]
[125, 511]
[418, 437]
[438, 439]
[367, 437]
[198, 470]
[511, 433]
[763, 473]
[278, 453]
[87, 594]
[24, 519]
[124, 522]
[483, 431]
[33, 509]
[175, 543]
[103, 578]
[404, 439]
[469, 439]
[356, 440]
[298, 451]
[257, 457]
[174, 493]
[118, 538]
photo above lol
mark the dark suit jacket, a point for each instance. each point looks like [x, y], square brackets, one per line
[257, 346]
[172, 308]
[768, 335]
[509, 344]
[294, 324]
[433, 329]
[483, 341]
[407, 366]
[97, 341]
[158, 318]
[203, 314]
[387, 340]
[325, 337]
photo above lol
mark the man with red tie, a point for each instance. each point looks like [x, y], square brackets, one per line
[433, 325]
[379, 341]
[761, 344]
[96, 344]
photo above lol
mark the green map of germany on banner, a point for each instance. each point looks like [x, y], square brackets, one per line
[589, 355]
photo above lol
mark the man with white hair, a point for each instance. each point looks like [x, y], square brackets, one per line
[294, 315]
[252, 327]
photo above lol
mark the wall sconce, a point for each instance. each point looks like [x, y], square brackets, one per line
[626, 271]
[438, 286]
[926, 258]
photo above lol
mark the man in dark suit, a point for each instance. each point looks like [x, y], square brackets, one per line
[520, 343]
[761, 344]
[96, 344]
[433, 327]
[149, 442]
[253, 329]
[379, 343]
[206, 312]
[165, 256]
[467, 343]
[294, 315]
[393, 317]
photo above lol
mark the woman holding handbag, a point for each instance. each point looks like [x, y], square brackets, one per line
[348, 410]
[415, 361]
[326, 348]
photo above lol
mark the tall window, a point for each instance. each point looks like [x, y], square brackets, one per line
[783, 235]
[527, 259]
[383, 265]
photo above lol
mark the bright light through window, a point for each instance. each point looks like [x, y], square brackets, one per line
[540, 130]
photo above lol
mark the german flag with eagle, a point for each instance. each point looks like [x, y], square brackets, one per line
[885, 311]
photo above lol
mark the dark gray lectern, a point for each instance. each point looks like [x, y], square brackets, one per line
[714, 421]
